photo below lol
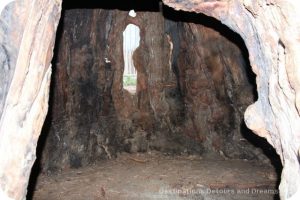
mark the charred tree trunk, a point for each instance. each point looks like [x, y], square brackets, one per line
[188, 97]
[270, 29]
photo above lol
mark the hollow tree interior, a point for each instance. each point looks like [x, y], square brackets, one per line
[147, 102]
[177, 130]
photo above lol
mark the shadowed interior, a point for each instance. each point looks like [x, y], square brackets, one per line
[194, 83]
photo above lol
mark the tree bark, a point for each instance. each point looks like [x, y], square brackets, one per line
[270, 29]
[27, 36]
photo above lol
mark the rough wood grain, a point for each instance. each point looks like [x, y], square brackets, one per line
[189, 98]
[270, 29]
[30, 28]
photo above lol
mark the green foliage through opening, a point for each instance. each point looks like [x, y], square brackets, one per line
[129, 80]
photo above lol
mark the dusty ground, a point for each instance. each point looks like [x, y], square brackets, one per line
[156, 176]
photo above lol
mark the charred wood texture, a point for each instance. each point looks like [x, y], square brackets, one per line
[189, 99]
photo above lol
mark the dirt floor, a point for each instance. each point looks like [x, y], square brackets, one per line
[156, 176]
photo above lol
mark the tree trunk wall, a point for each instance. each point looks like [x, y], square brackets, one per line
[189, 99]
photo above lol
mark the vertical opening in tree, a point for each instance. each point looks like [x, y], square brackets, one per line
[131, 41]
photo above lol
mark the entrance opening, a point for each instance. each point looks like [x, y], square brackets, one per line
[131, 41]
[181, 136]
